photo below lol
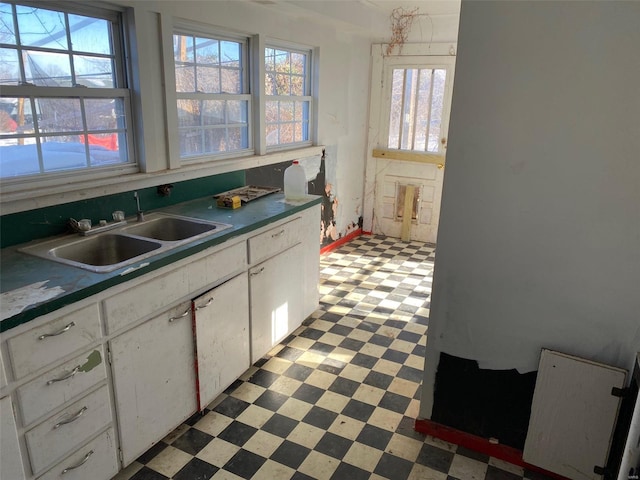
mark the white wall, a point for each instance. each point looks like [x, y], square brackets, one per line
[539, 239]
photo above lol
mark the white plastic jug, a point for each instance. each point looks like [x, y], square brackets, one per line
[295, 182]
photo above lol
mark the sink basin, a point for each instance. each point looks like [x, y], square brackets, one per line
[172, 229]
[124, 245]
[104, 250]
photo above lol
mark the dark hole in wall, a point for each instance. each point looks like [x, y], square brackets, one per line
[485, 403]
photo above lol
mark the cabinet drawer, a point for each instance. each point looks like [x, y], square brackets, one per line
[44, 345]
[160, 292]
[273, 241]
[58, 435]
[52, 389]
[97, 459]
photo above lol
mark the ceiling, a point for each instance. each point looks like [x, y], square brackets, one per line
[367, 17]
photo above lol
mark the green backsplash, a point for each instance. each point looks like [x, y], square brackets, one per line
[44, 222]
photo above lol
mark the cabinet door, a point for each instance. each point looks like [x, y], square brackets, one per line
[276, 291]
[10, 459]
[222, 337]
[154, 379]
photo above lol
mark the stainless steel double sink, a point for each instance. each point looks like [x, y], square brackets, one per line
[127, 244]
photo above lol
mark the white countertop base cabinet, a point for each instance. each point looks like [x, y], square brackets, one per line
[222, 337]
[154, 380]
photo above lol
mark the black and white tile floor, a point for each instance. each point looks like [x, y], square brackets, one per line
[338, 398]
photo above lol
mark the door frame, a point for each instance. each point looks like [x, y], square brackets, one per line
[379, 109]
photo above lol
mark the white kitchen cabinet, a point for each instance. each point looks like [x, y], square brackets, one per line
[310, 259]
[64, 431]
[61, 384]
[222, 337]
[154, 379]
[97, 459]
[41, 346]
[11, 466]
[276, 300]
[573, 415]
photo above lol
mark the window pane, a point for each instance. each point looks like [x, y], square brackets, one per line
[7, 32]
[94, 71]
[183, 49]
[59, 115]
[104, 114]
[237, 111]
[17, 116]
[238, 138]
[231, 82]
[47, 69]
[271, 111]
[215, 140]
[213, 112]
[63, 153]
[396, 108]
[90, 34]
[19, 157]
[297, 86]
[283, 84]
[423, 109]
[42, 28]
[439, 77]
[230, 53]
[272, 135]
[298, 63]
[190, 142]
[9, 67]
[185, 79]
[207, 79]
[188, 113]
[207, 51]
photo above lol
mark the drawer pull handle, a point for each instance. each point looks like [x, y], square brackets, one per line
[82, 462]
[59, 332]
[209, 302]
[64, 377]
[70, 419]
[257, 272]
[186, 312]
[275, 235]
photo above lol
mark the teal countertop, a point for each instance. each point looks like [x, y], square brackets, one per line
[67, 284]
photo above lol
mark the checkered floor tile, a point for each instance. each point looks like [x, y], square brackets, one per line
[338, 398]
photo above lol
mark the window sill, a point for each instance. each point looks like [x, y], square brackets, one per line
[31, 197]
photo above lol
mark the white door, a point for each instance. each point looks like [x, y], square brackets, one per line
[409, 119]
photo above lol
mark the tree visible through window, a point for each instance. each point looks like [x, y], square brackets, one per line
[288, 102]
[62, 105]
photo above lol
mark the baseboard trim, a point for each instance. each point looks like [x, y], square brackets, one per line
[479, 444]
[341, 241]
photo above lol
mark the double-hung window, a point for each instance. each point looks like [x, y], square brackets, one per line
[288, 99]
[64, 105]
[212, 93]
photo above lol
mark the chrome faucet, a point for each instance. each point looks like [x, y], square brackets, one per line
[139, 213]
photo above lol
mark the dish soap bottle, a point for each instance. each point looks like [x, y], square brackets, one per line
[295, 182]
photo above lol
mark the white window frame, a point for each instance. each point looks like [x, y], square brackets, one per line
[308, 88]
[191, 29]
[47, 180]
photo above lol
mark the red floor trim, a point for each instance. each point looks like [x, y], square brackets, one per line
[479, 444]
[341, 241]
